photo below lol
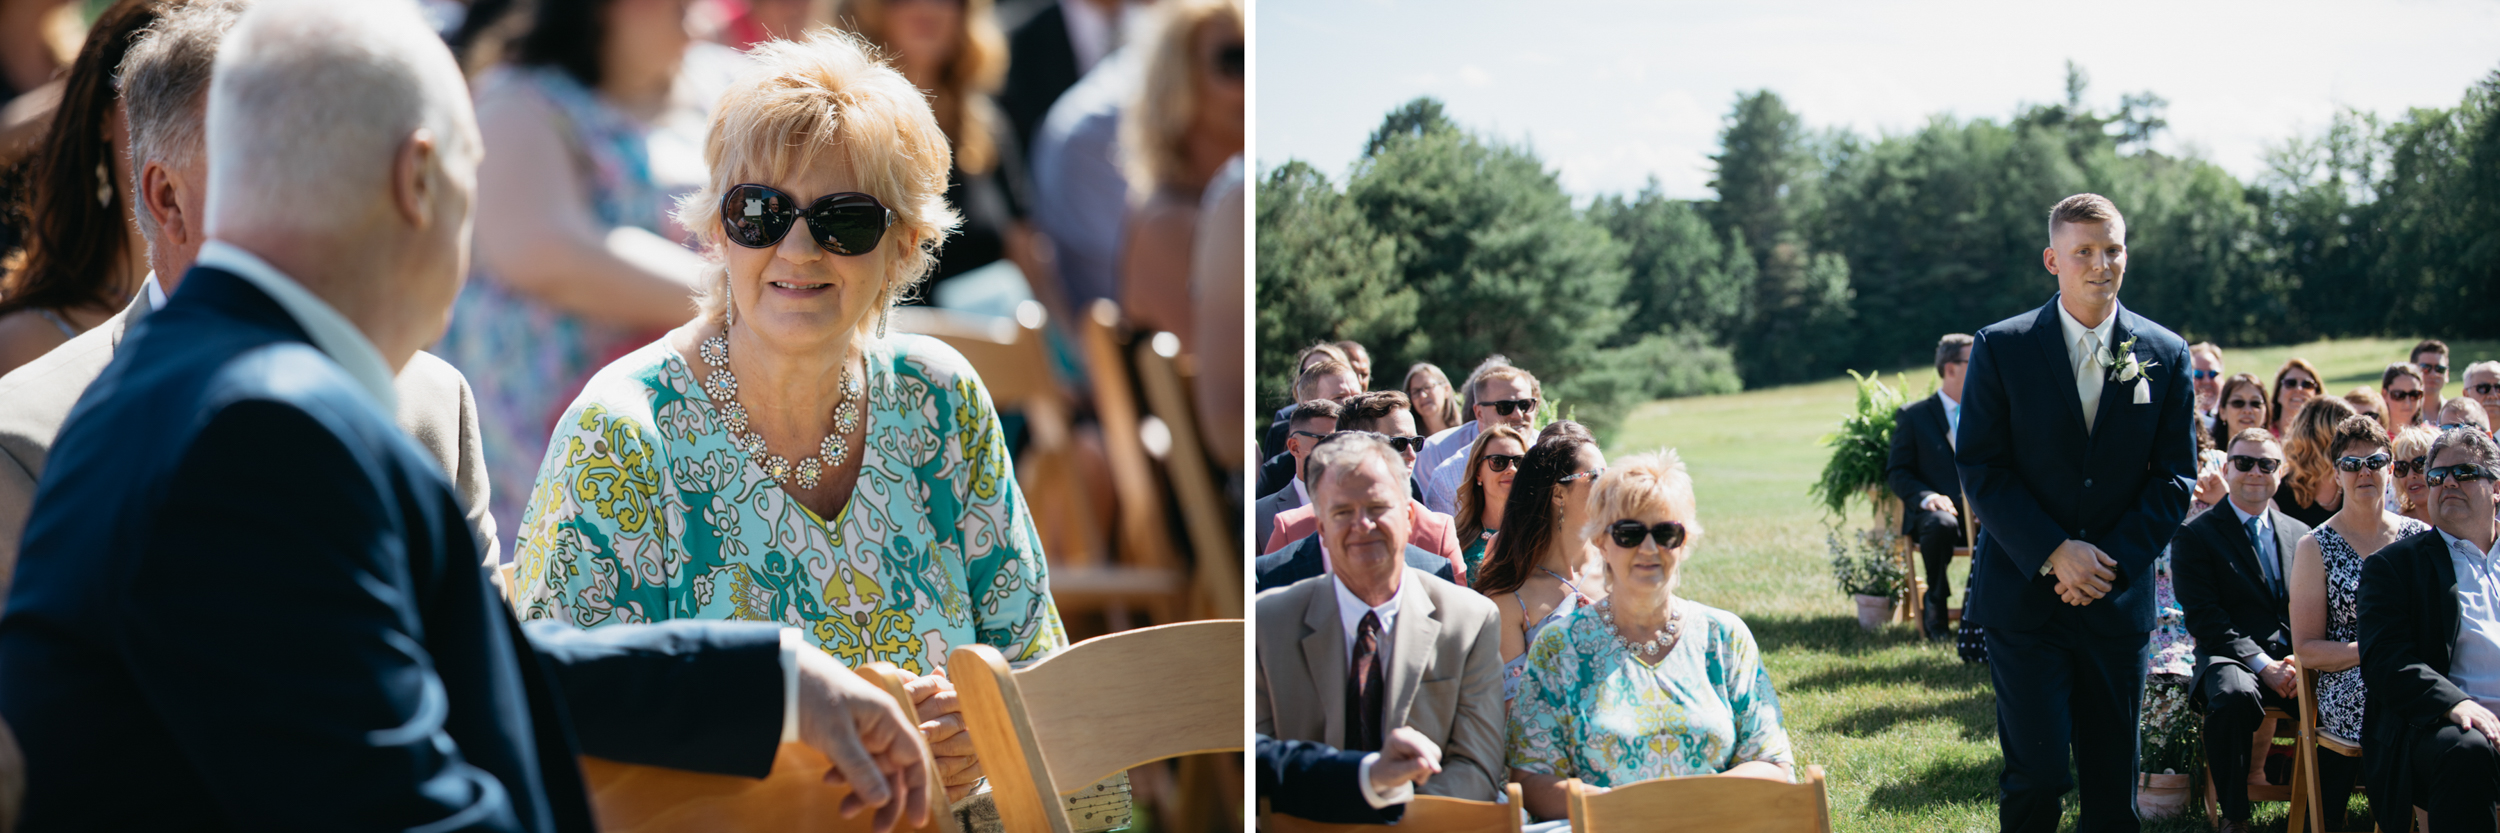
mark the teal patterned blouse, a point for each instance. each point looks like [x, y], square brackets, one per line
[1587, 709]
[643, 511]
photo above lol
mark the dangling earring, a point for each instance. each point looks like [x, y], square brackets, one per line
[104, 182]
[728, 304]
[884, 315]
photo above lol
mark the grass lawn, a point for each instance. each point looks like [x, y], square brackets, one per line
[1905, 732]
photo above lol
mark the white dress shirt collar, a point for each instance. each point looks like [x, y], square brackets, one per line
[2461, 546]
[329, 331]
[154, 291]
[1300, 492]
[1350, 610]
[2075, 329]
[2262, 521]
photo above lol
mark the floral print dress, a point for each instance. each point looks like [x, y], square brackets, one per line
[644, 511]
[1588, 709]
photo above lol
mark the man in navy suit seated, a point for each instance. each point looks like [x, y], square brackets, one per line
[248, 601]
[1315, 781]
[1922, 473]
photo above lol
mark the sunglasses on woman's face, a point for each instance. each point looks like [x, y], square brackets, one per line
[1628, 534]
[2373, 462]
[2243, 403]
[2462, 473]
[1230, 60]
[2408, 468]
[2202, 375]
[2403, 395]
[2244, 462]
[2297, 383]
[849, 223]
[1501, 462]
[1506, 407]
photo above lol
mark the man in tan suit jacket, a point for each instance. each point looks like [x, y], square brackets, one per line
[1438, 646]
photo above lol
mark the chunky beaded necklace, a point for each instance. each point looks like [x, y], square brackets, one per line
[1664, 638]
[722, 386]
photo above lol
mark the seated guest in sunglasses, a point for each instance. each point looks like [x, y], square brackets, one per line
[1540, 571]
[2228, 569]
[2294, 386]
[1312, 421]
[2326, 577]
[2409, 496]
[2460, 411]
[2432, 357]
[2309, 491]
[1492, 466]
[2430, 650]
[2240, 406]
[783, 458]
[2205, 377]
[1387, 413]
[1306, 556]
[2482, 382]
[1645, 684]
[2401, 386]
[1502, 394]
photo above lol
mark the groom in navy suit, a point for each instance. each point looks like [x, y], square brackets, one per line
[2076, 449]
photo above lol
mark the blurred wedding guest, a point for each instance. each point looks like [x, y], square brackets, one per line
[1360, 358]
[1348, 656]
[1615, 693]
[2326, 577]
[1921, 472]
[1436, 404]
[2482, 382]
[164, 84]
[1387, 413]
[1081, 191]
[741, 24]
[342, 662]
[84, 260]
[881, 550]
[2401, 387]
[1312, 421]
[2294, 385]
[2429, 656]
[1324, 379]
[2239, 616]
[2431, 355]
[2241, 406]
[1219, 288]
[2366, 402]
[1321, 783]
[2460, 411]
[1298, 560]
[1271, 442]
[2205, 377]
[1454, 441]
[953, 50]
[1540, 570]
[2410, 495]
[1484, 497]
[1055, 43]
[1501, 395]
[2309, 492]
[1185, 123]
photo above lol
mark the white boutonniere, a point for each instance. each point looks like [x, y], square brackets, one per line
[2126, 366]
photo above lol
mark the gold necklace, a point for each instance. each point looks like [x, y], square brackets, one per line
[721, 386]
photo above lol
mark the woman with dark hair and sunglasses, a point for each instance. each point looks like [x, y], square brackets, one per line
[2410, 495]
[2294, 385]
[2325, 577]
[1492, 466]
[1539, 570]
[784, 457]
[2241, 405]
[84, 257]
[1645, 683]
[2401, 388]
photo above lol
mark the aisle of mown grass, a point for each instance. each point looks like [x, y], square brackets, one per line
[1905, 732]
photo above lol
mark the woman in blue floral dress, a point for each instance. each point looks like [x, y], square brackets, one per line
[1646, 684]
[782, 458]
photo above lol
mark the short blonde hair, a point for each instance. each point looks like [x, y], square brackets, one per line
[1154, 132]
[1642, 483]
[828, 92]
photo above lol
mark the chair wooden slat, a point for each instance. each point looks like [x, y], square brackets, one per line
[1716, 803]
[1426, 812]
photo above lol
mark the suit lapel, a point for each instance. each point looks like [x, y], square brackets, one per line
[2111, 392]
[1418, 630]
[2049, 334]
[1324, 658]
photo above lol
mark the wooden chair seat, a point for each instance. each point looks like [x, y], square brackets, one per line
[2301, 793]
[2305, 759]
[1426, 812]
[1715, 803]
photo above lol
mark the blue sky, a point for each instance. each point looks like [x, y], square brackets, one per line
[1612, 92]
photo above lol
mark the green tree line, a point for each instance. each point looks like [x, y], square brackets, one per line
[1829, 250]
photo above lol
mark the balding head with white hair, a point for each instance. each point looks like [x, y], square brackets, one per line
[343, 150]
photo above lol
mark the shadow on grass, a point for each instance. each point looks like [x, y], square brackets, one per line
[1944, 782]
[1974, 713]
[1828, 634]
[1933, 669]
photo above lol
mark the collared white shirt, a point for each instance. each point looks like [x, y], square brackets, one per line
[1436, 474]
[2088, 377]
[1399, 794]
[1350, 610]
[2475, 663]
[1304, 494]
[330, 331]
[2266, 554]
[1952, 420]
[154, 291]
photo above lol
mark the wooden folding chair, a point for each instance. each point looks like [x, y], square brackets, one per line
[2299, 792]
[1216, 560]
[1715, 803]
[1098, 707]
[2314, 737]
[1143, 569]
[631, 798]
[1918, 579]
[1426, 812]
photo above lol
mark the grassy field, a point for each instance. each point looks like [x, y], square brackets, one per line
[1905, 732]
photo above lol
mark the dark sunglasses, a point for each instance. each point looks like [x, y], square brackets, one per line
[2485, 388]
[1628, 534]
[2300, 384]
[2434, 368]
[2403, 395]
[2202, 375]
[2265, 464]
[1591, 474]
[1229, 61]
[2373, 462]
[1506, 407]
[2408, 468]
[1404, 444]
[1311, 434]
[849, 223]
[1502, 462]
[2244, 403]
[2461, 473]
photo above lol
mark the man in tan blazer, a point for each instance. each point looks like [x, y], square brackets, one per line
[164, 83]
[1347, 657]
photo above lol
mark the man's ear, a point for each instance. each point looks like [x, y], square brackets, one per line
[413, 172]
[160, 196]
[2048, 259]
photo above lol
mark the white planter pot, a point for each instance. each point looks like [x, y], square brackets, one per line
[2161, 796]
[1873, 611]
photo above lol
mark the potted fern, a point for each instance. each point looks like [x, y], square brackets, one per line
[1868, 570]
[1861, 449]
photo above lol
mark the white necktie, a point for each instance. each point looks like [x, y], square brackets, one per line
[2088, 378]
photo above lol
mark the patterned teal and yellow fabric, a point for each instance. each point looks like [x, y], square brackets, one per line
[1587, 709]
[643, 511]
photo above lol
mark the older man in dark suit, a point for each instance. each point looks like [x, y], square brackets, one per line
[2231, 571]
[1923, 475]
[2077, 454]
[2430, 650]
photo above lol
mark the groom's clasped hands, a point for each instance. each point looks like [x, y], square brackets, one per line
[2083, 572]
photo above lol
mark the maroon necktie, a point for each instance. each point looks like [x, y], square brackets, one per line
[1364, 689]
